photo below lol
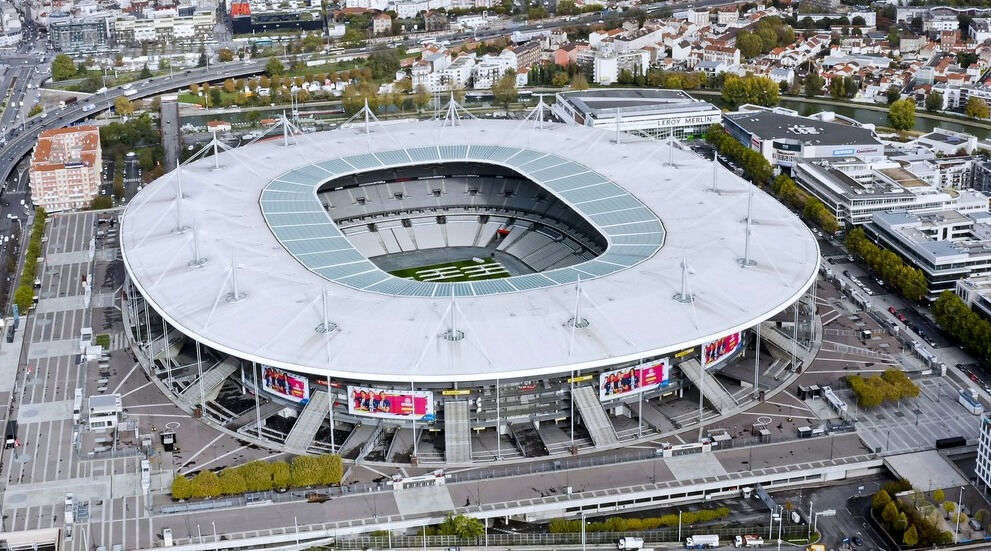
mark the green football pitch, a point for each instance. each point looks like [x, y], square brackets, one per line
[455, 271]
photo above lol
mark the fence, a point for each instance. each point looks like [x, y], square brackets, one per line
[660, 535]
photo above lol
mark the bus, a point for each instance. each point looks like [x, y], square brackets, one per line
[970, 401]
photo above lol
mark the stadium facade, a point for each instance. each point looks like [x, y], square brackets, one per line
[495, 289]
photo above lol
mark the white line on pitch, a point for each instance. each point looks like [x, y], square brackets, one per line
[121, 383]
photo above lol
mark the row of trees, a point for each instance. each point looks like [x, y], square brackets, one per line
[890, 386]
[963, 324]
[260, 476]
[812, 209]
[624, 524]
[24, 295]
[909, 281]
[750, 89]
[910, 521]
[759, 171]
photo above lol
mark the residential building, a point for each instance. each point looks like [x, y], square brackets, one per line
[84, 35]
[382, 24]
[948, 142]
[195, 28]
[980, 29]
[65, 168]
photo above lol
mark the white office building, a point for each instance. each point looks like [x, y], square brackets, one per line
[639, 110]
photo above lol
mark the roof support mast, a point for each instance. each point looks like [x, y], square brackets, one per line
[746, 260]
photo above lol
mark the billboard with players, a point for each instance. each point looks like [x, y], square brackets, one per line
[634, 379]
[720, 349]
[285, 385]
[391, 404]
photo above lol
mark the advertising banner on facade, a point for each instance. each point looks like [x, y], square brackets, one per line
[285, 385]
[391, 404]
[718, 350]
[638, 378]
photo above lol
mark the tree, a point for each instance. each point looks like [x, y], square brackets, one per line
[901, 114]
[750, 89]
[421, 97]
[35, 110]
[231, 482]
[890, 512]
[229, 86]
[938, 496]
[934, 101]
[858, 21]
[911, 537]
[280, 475]
[461, 526]
[194, 89]
[560, 79]
[880, 499]
[206, 484]
[977, 108]
[182, 488]
[63, 67]
[504, 90]
[893, 93]
[579, 82]
[949, 506]
[123, 106]
[749, 44]
[203, 60]
[813, 84]
[225, 55]
[145, 72]
[274, 67]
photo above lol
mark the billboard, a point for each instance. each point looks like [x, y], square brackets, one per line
[719, 349]
[391, 404]
[634, 379]
[285, 385]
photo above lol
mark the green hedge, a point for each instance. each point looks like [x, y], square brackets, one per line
[25, 287]
[259, 476]
[623, 524]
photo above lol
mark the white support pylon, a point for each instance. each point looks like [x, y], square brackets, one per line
[179, 228]
[715, 173]
[685, 295]
[746, 261]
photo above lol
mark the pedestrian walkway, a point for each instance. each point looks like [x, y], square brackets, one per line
[595, 418]
[308, 423]
[711, 389]
[457, 432]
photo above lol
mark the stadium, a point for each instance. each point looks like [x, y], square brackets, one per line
[458, 290]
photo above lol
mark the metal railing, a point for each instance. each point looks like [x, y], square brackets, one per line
[571, 538]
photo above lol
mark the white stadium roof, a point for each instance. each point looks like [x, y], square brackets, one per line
[261, 209]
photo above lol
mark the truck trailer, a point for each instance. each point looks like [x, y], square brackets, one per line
[702, 541]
